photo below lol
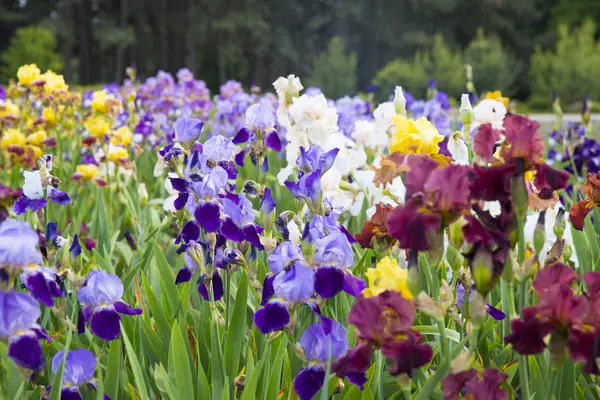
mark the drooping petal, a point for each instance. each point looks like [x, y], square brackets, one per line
[42, 286]
[268, 290]
[273, 316]
[181, 200]
[124, 308]
[75, 248]
[528, 334]
[239, 157]
[190, 232]
[58, 196]
[353, 285]
[184, 275]
[251, 235]
[412, 227]
[407, 354]
[548, 180]
[106, 323]
[354, 365]
[495, 313]
[492, 183]
[231, 231]
[272, 141]
[207, 216]
[25, 350]
[24, 203]
[217, 286]
[329, 281]
[242, 136]
[309, 381]
[70, 393]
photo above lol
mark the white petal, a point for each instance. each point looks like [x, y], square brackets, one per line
[32, 187]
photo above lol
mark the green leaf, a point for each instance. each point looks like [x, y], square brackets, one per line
[276, 369]
[163, 382]
[167, 279]
[181, 363]
[103, 263]
[252, 383]
[57, 382]
[203, 386]
[433, 330]
[141, 265]
[138, 376]
[237, 329]
[113, 369]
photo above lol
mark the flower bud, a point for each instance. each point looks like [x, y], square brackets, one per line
[429, 307]
[399, 101]
[560, 223]
[568, 252]
[476, 306]
[466, 110]
[455, 232]
[539, 234]
[339, 386]
[414, 277]
[60, 242]
[240, 382]
[518, 191]
[403, 381]
[446, 295]
[455, 258]
[299, 350]
[130, 240]
[250, 189]
[462, 362]
[143, 194]
[481, 269]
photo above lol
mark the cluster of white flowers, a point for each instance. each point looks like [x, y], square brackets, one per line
[312, 120]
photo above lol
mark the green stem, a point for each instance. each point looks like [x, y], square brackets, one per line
[444, 340]
[523, 378]
[523, 367]
[425, 393]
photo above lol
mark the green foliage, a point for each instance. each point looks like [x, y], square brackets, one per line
[570, 68]
[439, 62]
[334, 71]
[493, 67]
[31, 44]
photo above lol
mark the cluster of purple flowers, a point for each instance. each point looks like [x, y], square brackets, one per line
[350, 110]
[308, 271]
[571, 147]
[207, 192]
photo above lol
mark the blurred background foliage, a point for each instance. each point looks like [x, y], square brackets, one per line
[524, 47]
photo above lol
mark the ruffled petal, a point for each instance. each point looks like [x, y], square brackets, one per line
[105, 323]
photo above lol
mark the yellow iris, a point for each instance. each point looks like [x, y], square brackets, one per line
[118, 153]
[413, 137]
[387, 275]
[37, 152]
[121, 137]
[9, 109]
[49, 115]
[28, 74]
[98, 126]
[102, 102]
[12, 137]
[37, 138]
[54, 82]
[88, 171]
[497, 95]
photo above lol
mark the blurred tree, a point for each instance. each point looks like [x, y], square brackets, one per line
[334, 71]
[493, 67]
[570, 68]
[30, 44]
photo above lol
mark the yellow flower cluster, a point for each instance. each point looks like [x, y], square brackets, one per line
[88, 171]
[98, 126]
[387, 275]
[415, 136]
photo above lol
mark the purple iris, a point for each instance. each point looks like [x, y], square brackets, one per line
[334, 250]
[295, 284]
[321, 341]
[316, 159]
[308, 189]
[188, 130]
[321, 226]
[78, 371]
[18, 245]
[285, 254]
[260, 122]
[42, 282]
[219, 148]
[19, 313]
[238, 222]
[101, 298]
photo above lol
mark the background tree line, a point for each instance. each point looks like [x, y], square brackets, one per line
[342, 45]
